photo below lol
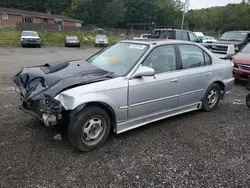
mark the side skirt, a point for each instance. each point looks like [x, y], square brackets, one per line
[138, 122]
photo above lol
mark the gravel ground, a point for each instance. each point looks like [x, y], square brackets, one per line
[191, 150]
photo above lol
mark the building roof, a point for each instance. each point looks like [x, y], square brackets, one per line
[36, 14]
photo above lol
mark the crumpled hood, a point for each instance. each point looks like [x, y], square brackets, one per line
[46, 81]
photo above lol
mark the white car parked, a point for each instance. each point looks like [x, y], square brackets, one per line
[30, 38]
[101, 40]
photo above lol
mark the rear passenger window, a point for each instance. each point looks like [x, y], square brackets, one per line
[193, 56]
[208, 60]
[170, 35]
[183, 35]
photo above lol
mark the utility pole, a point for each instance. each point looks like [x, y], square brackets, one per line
[186, 5]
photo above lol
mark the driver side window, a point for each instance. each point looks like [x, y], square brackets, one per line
[162, 59]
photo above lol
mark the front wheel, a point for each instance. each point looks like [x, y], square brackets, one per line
[248, 100]
[211, 98]
[89, 129]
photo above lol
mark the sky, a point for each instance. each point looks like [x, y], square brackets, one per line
[197, 4]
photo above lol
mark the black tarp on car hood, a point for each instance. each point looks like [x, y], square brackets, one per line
[46, 81]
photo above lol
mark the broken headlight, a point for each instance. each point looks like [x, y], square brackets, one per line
[49, 105]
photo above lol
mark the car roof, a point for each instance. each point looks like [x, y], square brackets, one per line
[156, 41]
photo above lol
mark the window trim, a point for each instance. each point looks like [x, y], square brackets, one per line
[179, 51]
[178, 63]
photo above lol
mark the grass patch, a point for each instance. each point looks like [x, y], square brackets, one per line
[52, 38]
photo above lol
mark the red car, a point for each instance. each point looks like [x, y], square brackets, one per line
[241, 62]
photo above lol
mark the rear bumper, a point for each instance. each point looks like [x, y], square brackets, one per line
[229, 84]
[72, 44]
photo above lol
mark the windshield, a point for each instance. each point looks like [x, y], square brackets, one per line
[231, 36]
[29, 33]
[71, 38]
[202, 37]
[246, 49]
[119, 58]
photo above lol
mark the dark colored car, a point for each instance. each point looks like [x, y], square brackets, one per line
[238, 38]
[241, 62]
[171, 33]
[72, 41]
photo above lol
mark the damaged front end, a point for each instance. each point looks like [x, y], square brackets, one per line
[50, 111]
[38, 86]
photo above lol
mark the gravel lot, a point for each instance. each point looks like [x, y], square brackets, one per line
[192, 150]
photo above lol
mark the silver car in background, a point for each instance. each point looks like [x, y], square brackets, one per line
[124, 86]
[101, 40]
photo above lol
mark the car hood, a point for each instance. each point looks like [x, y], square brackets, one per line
[30, 37]
[242, 58]
[46, 81]
[227, 42]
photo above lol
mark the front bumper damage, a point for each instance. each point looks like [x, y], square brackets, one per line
[50, 115]
[39, 85]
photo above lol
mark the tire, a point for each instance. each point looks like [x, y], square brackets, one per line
[89, 118]
[22, 45]
[248, 100]
[211, 98]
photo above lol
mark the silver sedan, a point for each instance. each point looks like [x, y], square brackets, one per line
[125, 86]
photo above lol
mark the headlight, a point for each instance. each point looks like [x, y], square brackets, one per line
[234, 64]
[50, 105]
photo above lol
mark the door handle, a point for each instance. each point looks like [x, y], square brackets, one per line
[174, 81]
[209, 73]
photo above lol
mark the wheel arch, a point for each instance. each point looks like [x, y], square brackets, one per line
[102, 105]
[221, 84]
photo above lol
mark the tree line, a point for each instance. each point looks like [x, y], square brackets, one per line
[110, 13]
[116, 13]
[230, 17]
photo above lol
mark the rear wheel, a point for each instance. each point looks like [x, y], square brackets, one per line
[248, 100]
[211, 98]
[89, 129]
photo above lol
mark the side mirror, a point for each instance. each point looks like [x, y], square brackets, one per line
[144, 71]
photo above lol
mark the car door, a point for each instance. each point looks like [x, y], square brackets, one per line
[148, 95]
[195, 73]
